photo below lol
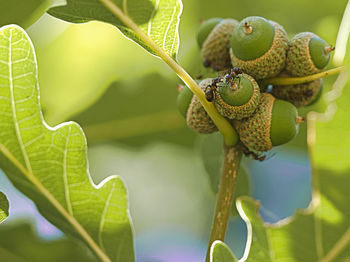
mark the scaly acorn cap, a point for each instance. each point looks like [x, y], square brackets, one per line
[259, 47]
[307, 54]
[215, 49]
[205, 28]
[197, 118]
[237, 98]
[301, 94]
[274, 123]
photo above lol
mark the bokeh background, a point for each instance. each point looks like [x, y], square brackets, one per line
[125, 100]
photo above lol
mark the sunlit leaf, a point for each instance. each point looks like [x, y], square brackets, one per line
[22, 12]
[49, 165]
[4, 207]
[159, 19]
[220, 252]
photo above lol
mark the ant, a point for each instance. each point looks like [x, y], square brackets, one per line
[210, 90]
[234, 74]
[260, 157]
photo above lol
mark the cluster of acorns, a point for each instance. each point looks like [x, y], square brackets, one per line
[245, 53]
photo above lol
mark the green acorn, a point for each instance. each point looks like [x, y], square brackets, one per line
[215, 49]
[308, 54]
[259, 47]
[237, 98]
[183, 99]
[205, 28]
[275, 122]
[197, 118]
[301, 94]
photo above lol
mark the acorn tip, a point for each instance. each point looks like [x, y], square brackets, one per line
[300, 119]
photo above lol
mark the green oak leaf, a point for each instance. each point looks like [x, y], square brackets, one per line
[4, 207]
[159, 19]
[22, 12]
[50, 165]
[220, 252]
[322, 231]
[20, 243]
[211, 151]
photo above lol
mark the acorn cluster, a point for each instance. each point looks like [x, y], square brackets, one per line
[244, 53]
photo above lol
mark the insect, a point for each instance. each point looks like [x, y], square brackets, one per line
[210, 90]
[233, 74]
[261, 157]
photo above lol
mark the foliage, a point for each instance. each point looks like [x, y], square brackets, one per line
[20, 243]
[221, 253]
[159, 19]
[22, 12]
[4, 207]
[34, 156]
[49, 165]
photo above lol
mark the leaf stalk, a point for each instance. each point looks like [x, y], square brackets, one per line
[226, 129]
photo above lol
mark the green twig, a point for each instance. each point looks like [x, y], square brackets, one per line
[232, 159]
[226, 129]
[284, 81]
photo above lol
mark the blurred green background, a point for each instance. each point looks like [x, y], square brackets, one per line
[124, 99]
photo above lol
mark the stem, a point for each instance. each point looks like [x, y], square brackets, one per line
[284, 81]
[226, 129]
[232, 159]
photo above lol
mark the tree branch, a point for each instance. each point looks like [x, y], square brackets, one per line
[232, 159]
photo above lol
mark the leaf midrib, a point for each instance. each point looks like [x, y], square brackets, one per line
[27, 170]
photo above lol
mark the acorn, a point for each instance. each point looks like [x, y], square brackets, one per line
[215, 49]
[197, 118]
[308, 54]
[259, 47]
[275, 122]
[237, 97]
[205, 28]
[301, 94]
[183, 99]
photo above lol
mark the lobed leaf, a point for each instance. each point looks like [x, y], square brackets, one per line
[159, 19]
[220, 252]
[321, 232]
[50, 165]
[4, 207]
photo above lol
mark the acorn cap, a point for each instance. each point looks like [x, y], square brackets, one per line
[183, 100]
[273, 123]
[308, 54]
[237, 98]
[301, 94]
[205, 28]
[215, 49]
[197, 118]
[318, 96]
[259, 47]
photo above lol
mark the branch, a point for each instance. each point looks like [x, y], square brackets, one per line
[284, 81]
[232, 159]
[226, 129]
